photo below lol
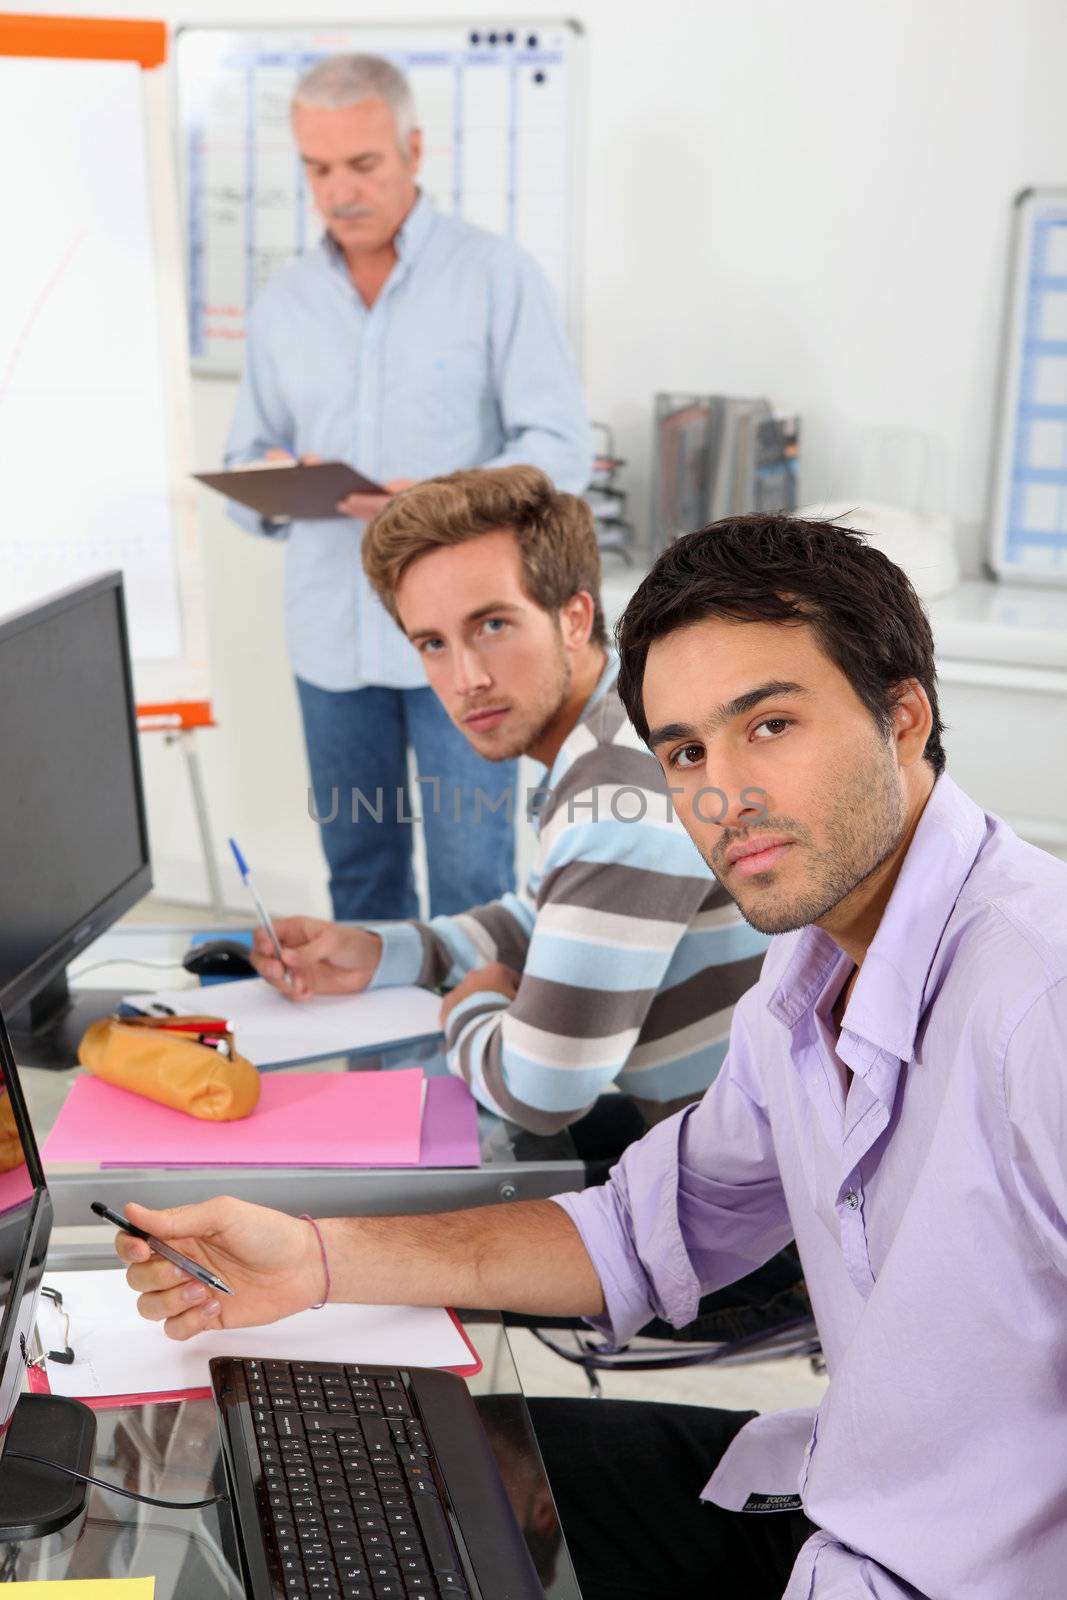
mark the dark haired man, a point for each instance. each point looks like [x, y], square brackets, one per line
[894, 1098]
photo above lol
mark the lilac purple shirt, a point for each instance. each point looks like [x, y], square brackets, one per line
[928, 1200]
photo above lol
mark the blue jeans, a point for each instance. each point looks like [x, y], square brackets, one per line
[357, 743]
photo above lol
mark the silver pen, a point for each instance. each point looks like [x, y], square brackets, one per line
[193, 1268]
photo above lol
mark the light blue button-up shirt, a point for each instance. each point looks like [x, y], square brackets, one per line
[928, 1199]
[462, 361]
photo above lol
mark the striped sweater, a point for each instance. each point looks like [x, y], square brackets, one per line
[631, 955]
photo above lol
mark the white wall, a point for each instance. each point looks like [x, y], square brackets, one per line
[807, 200]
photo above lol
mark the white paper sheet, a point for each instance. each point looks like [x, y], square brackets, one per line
[118, 1352]
[271, 1030]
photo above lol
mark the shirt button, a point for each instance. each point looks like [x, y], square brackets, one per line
[852, 1199]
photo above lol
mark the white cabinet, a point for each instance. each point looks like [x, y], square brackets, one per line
[1002, 677]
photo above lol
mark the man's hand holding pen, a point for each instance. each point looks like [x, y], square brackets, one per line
[271, 1261]
[320, 957]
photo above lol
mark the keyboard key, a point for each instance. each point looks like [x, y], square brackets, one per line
[436, 1537]
[309, 1519]
[352, 1563]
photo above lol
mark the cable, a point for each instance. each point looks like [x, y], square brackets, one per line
[124, 961]
[114, 1488]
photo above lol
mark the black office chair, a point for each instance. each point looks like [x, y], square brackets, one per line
[762, 1316]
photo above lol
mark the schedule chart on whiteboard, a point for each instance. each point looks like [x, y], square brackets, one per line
[1035, 527]
[497, 111]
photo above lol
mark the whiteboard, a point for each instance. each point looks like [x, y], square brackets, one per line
[500, 112]
[1029, 503]
[86, 406]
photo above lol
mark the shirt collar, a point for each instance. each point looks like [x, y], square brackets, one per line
[565, 753]
[415, 228]
[902, 968]
[605, 682]
[409, 238]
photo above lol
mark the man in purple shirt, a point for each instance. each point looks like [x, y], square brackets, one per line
[894, 1099]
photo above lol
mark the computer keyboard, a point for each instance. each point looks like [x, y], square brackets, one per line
[362, 1482]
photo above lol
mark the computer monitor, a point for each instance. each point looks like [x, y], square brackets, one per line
[73, 831]
[34, 1500]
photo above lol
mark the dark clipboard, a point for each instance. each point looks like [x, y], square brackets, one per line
[307, 494]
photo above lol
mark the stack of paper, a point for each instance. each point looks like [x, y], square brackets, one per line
[271, 1030]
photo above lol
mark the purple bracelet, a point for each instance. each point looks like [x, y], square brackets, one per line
[325, 1259]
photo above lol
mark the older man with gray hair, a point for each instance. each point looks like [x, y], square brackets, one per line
[408, 343]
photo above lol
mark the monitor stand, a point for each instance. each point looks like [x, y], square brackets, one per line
[33, 1500]
[47, 1031]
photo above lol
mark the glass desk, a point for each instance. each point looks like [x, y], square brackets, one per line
[172, 1450]
[515, 1165]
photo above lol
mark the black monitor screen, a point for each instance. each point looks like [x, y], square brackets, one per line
[73, 841]
[25, 1223]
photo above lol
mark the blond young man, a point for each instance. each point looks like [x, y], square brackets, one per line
[622, 958]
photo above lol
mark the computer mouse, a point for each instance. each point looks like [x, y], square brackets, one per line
[219, 958]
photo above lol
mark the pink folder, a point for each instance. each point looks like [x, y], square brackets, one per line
[449, 1125]
[312, 1119]
[303, 1119]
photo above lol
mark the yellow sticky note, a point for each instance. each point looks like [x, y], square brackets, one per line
[82, 1589]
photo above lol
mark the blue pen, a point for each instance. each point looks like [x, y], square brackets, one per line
[261, 911]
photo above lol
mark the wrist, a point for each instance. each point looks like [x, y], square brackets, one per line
[359, 950]
[319, 1273]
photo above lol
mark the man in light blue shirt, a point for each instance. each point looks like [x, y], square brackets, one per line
[409, 344]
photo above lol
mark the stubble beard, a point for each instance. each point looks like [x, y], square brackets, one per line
[540, 715]
[866, 821]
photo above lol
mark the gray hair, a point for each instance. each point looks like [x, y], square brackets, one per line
[339, 81]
